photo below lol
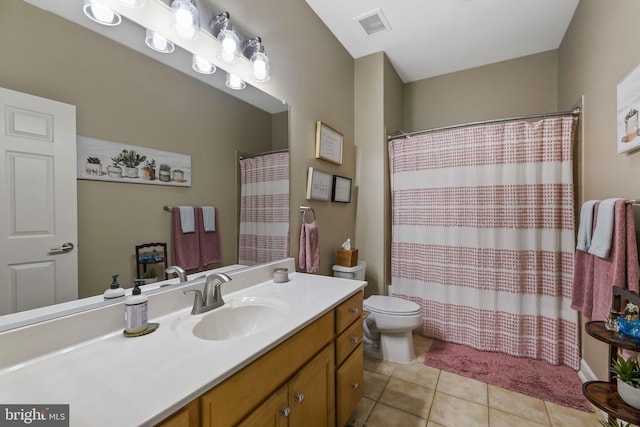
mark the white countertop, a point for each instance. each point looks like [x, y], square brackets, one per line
[116, 381]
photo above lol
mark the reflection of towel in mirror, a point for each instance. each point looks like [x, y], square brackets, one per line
[187, 221]
[185, 247]
[309, 257]
[209, 241]
[209, 218]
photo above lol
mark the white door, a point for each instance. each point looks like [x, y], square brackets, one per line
[38, 219]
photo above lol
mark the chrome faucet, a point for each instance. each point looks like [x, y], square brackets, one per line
[177, 270]
[211, 297]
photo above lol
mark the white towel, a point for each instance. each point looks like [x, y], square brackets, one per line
[603, 234]
[187, 222]
[209, 218]
[585, 229]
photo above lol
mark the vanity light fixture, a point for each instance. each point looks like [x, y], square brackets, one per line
[225, 32]
[254, 51]
[234, 82]
[133, 3]
[100, 13]
[158, 42]
[202, 65]
[185, 18]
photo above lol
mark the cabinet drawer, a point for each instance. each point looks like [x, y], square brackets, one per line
[348, 311]
[348, 340]
[349, 385]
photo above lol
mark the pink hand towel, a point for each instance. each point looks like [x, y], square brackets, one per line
[185, 247]
[309, 256]
[209, 241]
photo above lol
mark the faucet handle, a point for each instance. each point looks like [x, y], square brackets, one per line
[198, 301]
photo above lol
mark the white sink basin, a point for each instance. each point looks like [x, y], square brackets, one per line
[236, 319]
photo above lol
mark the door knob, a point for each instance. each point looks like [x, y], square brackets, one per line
[299, 397]
[285, 411]
[66, 247]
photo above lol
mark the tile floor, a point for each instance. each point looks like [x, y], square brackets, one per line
[416, 395]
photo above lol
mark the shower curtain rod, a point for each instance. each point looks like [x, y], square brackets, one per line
[250, 156]
[574, 112]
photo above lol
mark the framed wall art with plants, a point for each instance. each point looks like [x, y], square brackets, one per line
[102, 160]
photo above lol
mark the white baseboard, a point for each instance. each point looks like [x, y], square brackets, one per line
[585, 373]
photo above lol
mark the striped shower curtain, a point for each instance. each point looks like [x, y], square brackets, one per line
[483, 236]
[264, 209]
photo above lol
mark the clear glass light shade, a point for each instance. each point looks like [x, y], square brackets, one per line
[100, 13]
[202, 65]
[158, 43]
[185, 19]
[133, 3]
[230, 46]
[234, 82]
[260, 67]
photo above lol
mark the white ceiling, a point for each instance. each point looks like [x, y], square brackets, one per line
[433, 37]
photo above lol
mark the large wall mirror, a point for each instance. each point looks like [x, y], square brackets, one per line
[127, 97]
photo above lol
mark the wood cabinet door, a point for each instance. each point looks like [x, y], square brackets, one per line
[312, 392]
[273, 412]
[349, 385]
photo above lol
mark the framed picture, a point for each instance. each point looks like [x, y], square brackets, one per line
[328, 144]
[628, 104]
[318, 185]
[341, 189]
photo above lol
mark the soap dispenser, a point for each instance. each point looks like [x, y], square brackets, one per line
[135, 310]
[115, 291]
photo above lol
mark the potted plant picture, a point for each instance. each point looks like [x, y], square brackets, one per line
[165, 173]
[130, 160]
[114, 171]
[93, 166]
[627, 372]
[178, 175]
[149, 170]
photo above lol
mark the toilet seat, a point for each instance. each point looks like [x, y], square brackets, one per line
[391, 306]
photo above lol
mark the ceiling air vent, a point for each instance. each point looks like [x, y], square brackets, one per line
[374, 22]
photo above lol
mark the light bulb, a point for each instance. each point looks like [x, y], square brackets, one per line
[133, 3]
[230, 42]
[186, 19]
[100, 13]
[203, 66]
[158, 42]
[234, 82]
[260, 70]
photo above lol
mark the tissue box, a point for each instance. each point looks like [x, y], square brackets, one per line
[347, 257]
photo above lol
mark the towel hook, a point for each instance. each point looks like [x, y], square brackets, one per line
[304, 210]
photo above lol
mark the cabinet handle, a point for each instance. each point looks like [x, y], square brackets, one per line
[285, 411]
[354, 310]
[355, 385]
[354, 339]
[299, 397]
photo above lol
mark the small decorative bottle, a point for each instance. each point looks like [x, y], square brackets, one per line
[611, 322]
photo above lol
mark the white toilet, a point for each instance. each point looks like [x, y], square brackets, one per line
[387, 330]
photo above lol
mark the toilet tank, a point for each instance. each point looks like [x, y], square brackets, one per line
[356, 272]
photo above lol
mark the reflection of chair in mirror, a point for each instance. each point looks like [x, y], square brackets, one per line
[151, 253]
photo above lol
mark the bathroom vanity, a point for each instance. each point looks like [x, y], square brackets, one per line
[301, 361]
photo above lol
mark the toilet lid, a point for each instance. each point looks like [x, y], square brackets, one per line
[391, 305]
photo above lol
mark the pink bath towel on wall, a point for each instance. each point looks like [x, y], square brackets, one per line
[185, 247]
[309, 256]
[594, 276]
[209, 242]
[621, 268]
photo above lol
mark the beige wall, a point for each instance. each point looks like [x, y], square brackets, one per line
[127, 97]
[599, 49]
[526, 85]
